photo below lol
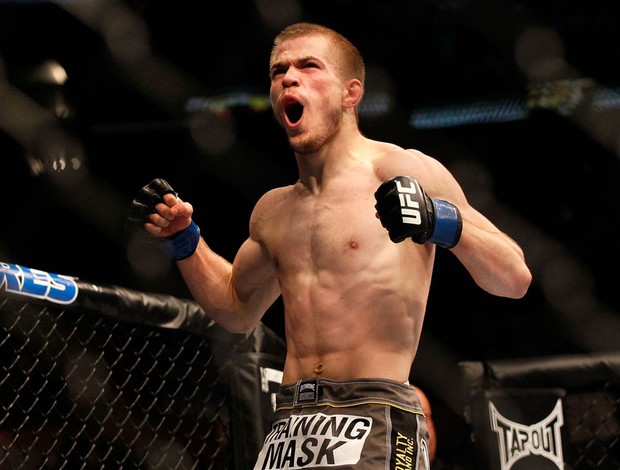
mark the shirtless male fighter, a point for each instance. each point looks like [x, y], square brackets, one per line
[350, 247]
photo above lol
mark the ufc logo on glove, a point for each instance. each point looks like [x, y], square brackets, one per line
[409, 208]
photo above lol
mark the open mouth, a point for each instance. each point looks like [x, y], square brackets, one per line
[293, 110]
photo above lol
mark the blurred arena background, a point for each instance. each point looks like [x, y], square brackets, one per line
[519, 98]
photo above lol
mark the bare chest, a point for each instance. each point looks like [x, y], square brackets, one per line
[314, 233]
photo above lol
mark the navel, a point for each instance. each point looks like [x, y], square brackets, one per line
[318, 369]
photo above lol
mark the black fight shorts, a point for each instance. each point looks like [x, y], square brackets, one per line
[369, 424]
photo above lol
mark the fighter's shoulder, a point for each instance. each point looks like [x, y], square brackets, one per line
[273, 198]
[268, 207]
[392, 160]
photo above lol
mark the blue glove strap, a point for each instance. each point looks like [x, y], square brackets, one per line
[183, 244]
[448, 224]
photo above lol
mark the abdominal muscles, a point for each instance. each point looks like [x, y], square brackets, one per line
[351, 323]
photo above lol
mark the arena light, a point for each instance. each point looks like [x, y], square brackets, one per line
[223, 103]
[477, 112]
[128, 39]
[561, 96]
[50, 72]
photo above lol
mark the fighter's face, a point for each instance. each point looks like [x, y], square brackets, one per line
[306, 91]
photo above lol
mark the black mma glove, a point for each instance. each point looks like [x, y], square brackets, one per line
[179, 246]
[406, 210]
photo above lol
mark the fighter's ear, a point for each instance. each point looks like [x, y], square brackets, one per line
[353, 93]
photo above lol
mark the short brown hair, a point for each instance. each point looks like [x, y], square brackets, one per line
[351, 63]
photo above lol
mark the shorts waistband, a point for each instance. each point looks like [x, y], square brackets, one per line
[342, 393]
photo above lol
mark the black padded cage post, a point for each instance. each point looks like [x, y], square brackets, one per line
[99, 376]
[559, 412]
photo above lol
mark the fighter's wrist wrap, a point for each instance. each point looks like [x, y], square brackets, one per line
[448, 224]
[182, 244]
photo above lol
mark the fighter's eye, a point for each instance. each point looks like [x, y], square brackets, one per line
[277, 71]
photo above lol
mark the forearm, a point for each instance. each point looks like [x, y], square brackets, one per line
[494, 260]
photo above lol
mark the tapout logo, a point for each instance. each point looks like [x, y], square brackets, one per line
[38, 284]
[517, 441]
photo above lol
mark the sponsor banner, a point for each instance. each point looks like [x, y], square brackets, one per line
[37, 284]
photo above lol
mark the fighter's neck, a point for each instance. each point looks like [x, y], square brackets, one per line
[317, 168]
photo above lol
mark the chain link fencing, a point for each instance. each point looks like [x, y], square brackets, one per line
[99, 376]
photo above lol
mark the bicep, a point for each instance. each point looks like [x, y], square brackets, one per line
[447, 187]
[253, 277]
